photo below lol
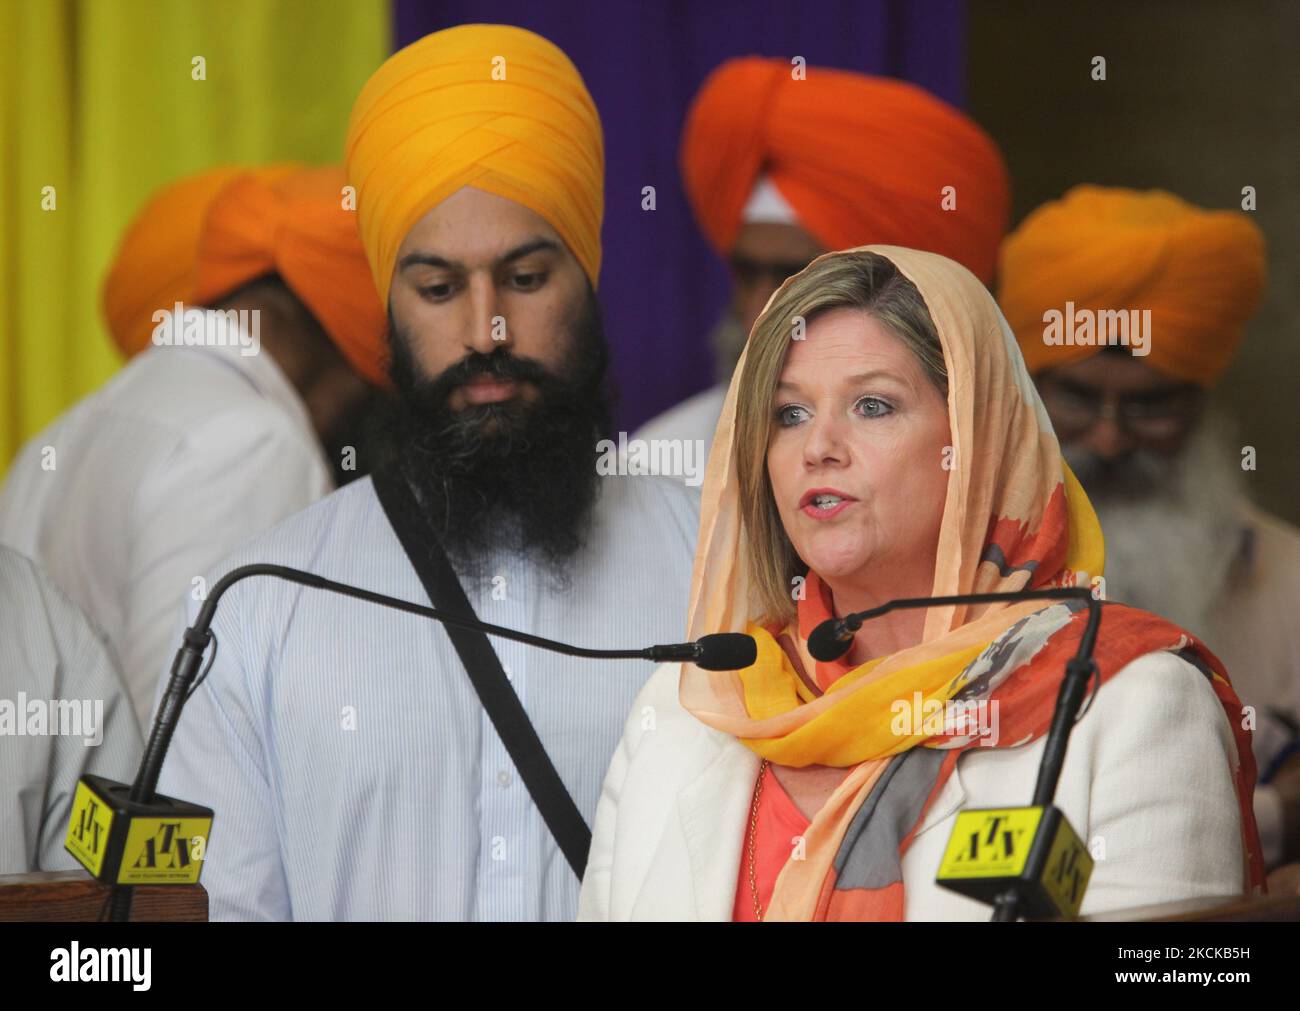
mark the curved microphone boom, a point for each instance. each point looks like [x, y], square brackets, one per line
[723, 651]
[832, 638]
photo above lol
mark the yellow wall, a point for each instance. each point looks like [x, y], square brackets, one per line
[99, 101]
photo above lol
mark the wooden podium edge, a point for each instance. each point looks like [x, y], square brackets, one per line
[75, 897]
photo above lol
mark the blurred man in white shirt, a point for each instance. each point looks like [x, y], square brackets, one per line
[216, 430]
[64, 712]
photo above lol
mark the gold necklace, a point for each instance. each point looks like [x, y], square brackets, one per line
[753, 834]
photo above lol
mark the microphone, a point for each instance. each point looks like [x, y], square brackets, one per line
[1019, 860]
[830, 640]
[718, 651]
[126, 836]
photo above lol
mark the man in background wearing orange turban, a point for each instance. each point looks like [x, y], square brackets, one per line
[478, 161]
[1128, 306]
[157, 255]
[783, 163]
[217, 427]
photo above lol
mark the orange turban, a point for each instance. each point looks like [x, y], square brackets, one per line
[153, 267]
[489, 106]
[296, 226]
[1200, 273]
[860, 159]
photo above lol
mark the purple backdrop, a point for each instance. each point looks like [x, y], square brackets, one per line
[661, 286]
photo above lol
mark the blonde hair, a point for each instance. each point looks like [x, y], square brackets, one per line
[857, 280]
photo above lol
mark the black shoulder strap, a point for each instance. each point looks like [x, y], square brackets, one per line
[484, 668]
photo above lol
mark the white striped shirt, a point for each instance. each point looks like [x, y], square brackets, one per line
[352, 770]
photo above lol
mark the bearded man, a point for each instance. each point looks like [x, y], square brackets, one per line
[353, 771]
[1128, 306]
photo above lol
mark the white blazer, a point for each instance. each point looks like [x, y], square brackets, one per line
[1147, 783]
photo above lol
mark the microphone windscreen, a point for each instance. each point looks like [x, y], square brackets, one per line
[727, 651]
[825, 643]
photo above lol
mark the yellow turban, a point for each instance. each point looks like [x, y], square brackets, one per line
[1200, 273]
[489, 106]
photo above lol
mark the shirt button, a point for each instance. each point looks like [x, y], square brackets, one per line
[504, 779]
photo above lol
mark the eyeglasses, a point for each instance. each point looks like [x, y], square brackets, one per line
[1145, 415]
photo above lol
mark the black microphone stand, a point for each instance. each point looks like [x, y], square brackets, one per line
[197, 637]
[1079, 671]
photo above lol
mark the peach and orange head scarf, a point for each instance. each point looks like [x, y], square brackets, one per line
[298, 223]
[1014, 517]
[1200, 273]
[860, 159]
[153, 267]
[490, 106]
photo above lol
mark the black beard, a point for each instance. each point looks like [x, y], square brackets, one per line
[517, 477]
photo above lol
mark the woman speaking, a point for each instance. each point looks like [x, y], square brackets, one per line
[881, 439]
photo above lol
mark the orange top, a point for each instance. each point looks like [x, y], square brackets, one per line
[780, 824]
